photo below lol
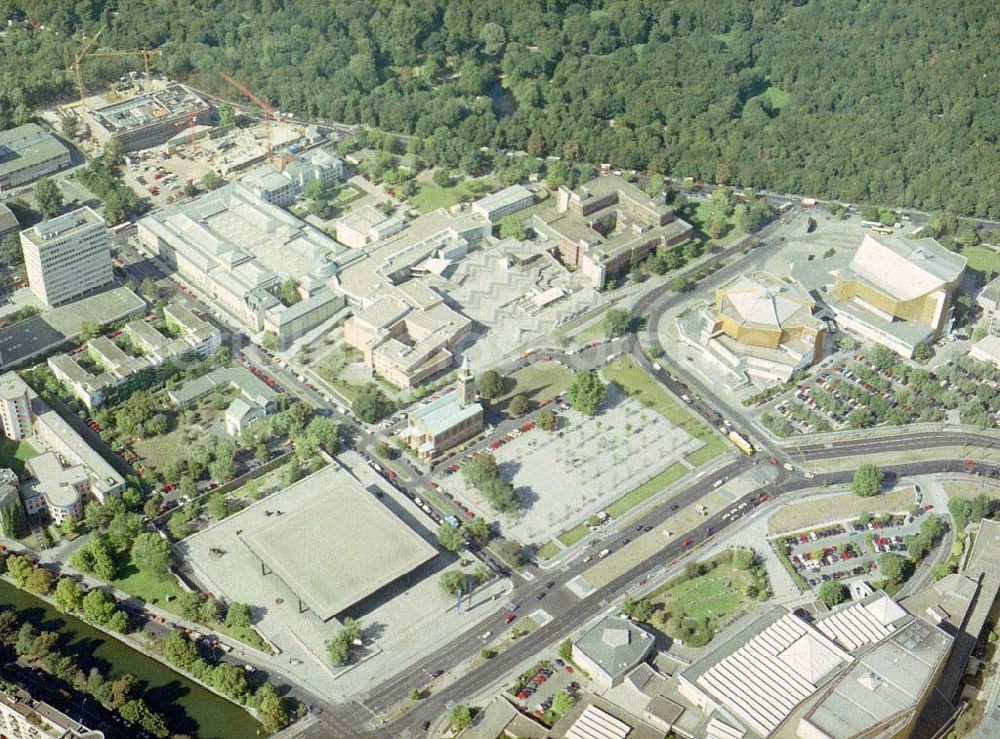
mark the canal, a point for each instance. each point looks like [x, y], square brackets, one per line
[187, 707]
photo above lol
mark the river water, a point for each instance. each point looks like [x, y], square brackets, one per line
[187, 707]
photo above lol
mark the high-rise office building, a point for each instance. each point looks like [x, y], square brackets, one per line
[67, 256]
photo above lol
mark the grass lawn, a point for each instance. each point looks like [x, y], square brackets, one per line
[152, 588]
[707, 596]
[14, 454]
[155, 589]
[160, 451]
[537, 382]
[647, 490]
[431, 197]
[574, 535]
[970, 489]
[816, 512]
[982, 258]
[778, 98]
[549, 550]
[638, 384]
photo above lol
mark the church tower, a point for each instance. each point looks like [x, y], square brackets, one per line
[466, 383]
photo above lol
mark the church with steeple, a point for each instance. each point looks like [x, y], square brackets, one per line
[451, 417]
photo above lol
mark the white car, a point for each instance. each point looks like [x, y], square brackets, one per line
[486, 636]
[788, 467]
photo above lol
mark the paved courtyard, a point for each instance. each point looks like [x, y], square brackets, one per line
[564, 477]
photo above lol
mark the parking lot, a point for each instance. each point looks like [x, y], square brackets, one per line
[535, 695]
[860, 391]
[553, 473]
[849, 550]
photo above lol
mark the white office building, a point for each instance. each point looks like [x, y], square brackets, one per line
[67, 256]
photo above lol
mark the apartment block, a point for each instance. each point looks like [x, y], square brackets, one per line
[23, 717]
[15, 407]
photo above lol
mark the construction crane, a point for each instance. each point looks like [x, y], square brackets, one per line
[76, 64]
[264, 105]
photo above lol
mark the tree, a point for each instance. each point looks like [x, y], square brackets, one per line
[512, 227]
[15, 520]
[151, 553]
[123, 529]
[69, 595]
[274, 710]
[655, 185]
[566, 649]
[484, 474]
[922, 352]
[546, 420]
[867, 480]
[210, 611]
[640, 610]
[744, 559]
[460, 717]
[136, 712]
[617, 322]
[210, 180]
[48, 197]
[189, 604]
[19, 568]
[586, 392]
[239, 616]
[69, 126]
[370, 405]
[290, 292]
[479, 531]
[453, 582]
[832, 593]
[892, 567]
[562, 702]
[493, 38]
[178, 526]
[510, 552]
[114, 154]
[99, 607]
[491, 384]
[451, 537]
[442, 177]
[180, 650]
[39, 581]
[519, 405]
[324, 433]
[218, 506]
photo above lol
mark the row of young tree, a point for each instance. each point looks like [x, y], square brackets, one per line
[835, 99]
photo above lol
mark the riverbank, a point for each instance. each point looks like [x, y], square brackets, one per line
[187, 706]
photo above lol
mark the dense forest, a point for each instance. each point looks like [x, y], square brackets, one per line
[891, 101]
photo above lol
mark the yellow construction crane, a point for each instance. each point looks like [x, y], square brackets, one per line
[76, 64]
[146, 54]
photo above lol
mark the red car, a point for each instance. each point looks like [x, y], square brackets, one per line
[686, 543]
[569, 670]
[510, 617]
